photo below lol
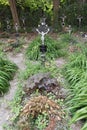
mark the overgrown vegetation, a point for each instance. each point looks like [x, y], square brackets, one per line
[42, 118]
[7, 70]
[55, 48]
[34, 68]
[76, 75]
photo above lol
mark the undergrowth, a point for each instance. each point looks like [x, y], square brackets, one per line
[41, 121]
[36, 67]
[75, 73]
[55, 48]
[7, 71]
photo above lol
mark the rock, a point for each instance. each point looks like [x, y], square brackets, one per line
[41, 81]
[60, 62]
[63, 93]
[44, 82]
[77, 126]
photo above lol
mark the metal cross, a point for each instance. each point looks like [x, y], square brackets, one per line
[63, 17]
[8, 24]
[42, 29]
[17, 35]
[69, 29]
[80, 20]
[23, 22]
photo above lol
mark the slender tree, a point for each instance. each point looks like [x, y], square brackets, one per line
[55, 13]
[82, 1]
[14, 11]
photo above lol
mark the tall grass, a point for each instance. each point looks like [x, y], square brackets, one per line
[7, 70]
[55, 48]
[76, 75]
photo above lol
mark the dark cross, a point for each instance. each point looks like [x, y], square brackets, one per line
[8, 25]
[23, 23]
[17, 29]
[23, 20]
[69, 29]
[17, 35]
[43, 29]
[63, 17]
[80, 20]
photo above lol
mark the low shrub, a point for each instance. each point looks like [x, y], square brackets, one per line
[55, 49]
[76, 75]
[7, 70]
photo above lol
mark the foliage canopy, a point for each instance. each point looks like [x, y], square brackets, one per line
[4, 2]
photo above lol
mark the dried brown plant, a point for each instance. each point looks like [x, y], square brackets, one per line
[42, 104]
[38, 105]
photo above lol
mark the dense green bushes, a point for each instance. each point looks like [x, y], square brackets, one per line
[55, 48]
[72, 11]
[7, 70]
[76, 75]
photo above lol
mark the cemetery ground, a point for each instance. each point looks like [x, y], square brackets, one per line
[50, 97]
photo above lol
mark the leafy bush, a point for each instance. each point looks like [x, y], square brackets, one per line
[72, 11]
[76, 75]
[54, 49]
[7, 70]
[42, 121]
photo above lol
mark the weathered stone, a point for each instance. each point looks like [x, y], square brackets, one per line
[41, 81]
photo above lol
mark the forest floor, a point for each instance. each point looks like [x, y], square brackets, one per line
[18, 58]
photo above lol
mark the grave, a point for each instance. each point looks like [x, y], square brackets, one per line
[63, 17]
[43, 29]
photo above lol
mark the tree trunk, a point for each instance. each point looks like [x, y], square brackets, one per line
[14, 11]
[82, 1]
[55, 13]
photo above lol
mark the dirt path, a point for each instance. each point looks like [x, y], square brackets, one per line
[5, 112]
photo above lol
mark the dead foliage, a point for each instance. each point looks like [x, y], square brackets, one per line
[40, 104]
[74, 49]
